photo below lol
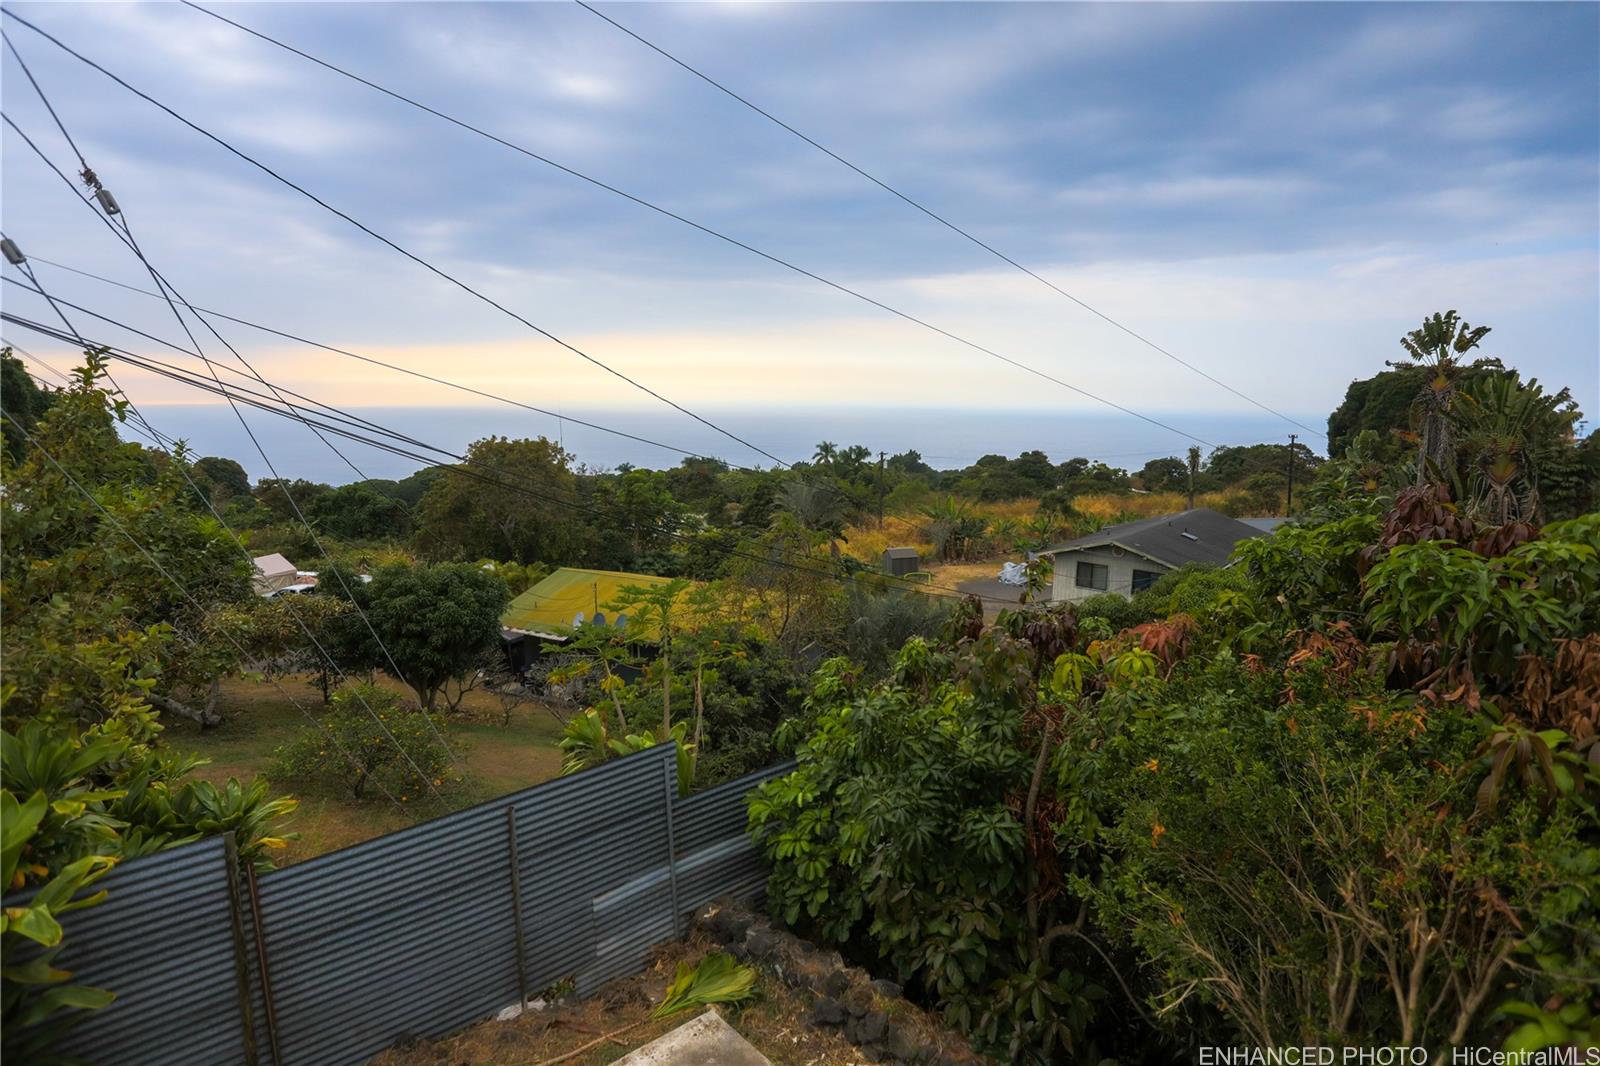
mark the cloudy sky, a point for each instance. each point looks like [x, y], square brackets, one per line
[1273, 192]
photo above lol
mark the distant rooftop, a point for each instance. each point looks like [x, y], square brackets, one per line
[1198, 536]
[572, 597]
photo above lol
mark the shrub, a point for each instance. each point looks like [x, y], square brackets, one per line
[1196, 593]
[1119, 612]
[1304, 873]
[911, 831]
[367, 737]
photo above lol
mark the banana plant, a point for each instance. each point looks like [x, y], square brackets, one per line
[586, 742]
[34, 991]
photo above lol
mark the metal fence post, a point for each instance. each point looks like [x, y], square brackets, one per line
[516, 902]
[670, 766]
[261, 961]
[241, 969]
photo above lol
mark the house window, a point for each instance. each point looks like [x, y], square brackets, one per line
[1093, 576]
[1143, 579]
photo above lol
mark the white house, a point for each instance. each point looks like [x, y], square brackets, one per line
[1129, 557]
[273, 572]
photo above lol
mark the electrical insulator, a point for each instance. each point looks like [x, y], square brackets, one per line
[107, 201]
[14, 254]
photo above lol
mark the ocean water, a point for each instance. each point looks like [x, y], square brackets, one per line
[947, 438]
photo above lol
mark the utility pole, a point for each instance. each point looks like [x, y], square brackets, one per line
[1194, 470]
[1288, 503]
[880, 489]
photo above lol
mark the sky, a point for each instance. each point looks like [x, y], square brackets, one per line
[1274, 193]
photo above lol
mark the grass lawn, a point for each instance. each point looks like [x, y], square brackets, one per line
[494, 759]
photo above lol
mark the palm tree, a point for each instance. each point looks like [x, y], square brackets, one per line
[1504, 423]
[826, 453]
[1437, 345]
[816, 505]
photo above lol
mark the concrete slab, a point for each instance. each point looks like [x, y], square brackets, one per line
[704, 1041]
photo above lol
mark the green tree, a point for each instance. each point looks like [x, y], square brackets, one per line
[1509, 430]
[817, 505]
[93, 633]
[70, 570]
[784, 585]
[25, 401]
[1437, 346]
[225, 477]
[435, 621]
[366, 736]
[1230, 466]
[1569, 478]
[282, 496]
[1168, 474]
[361, 511]
[462, 517]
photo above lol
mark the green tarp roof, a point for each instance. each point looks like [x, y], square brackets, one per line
[571, 596]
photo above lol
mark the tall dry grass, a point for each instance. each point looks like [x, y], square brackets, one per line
[868, 542]
[909, 529]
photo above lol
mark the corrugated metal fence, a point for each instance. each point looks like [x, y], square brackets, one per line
[415, 933]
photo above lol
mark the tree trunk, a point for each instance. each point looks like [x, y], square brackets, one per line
[616, 700]
[206, 716]
[666, 693]
[699, 719]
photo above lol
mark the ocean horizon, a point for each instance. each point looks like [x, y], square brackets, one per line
[947, 438]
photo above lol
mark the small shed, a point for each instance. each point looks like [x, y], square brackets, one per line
[898, 562]
[273, 572]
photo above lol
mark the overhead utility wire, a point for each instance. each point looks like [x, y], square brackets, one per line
[409, 371]
[419, 260]
[178, 373]
[473, 469]
[341, 414]
[143, 431]
[315, 344]
[20, 350]
[164, 286]
[886, 187]
[642, 202]
[156, 436]
[426, 377]
[33, 443]
[75, 335]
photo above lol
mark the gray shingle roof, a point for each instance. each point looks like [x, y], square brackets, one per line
[1198, 536]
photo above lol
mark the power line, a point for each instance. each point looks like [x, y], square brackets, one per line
[183, 468]
[419, 260]
[483, 393]
[926, 211]
[164, 287]
[164, 369]
[488, 474]
[20, 350]
[82, 162]
[34, 443]
[709, 231]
